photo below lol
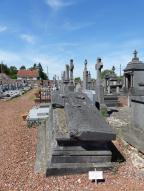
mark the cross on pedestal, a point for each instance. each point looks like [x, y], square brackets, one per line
[135, 54]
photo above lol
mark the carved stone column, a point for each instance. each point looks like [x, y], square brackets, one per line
[71, 70]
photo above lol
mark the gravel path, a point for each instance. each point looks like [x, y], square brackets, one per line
[17, 158]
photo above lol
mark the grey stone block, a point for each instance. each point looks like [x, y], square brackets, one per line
[72, 168]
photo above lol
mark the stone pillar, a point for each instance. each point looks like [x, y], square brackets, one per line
[85, 76]
[126, 82]
[55, 82]
[117, 90]
[64, 75]
[99, 87]
[106, 85]
[131, 80]
[67, 73]
[89, 81]
[71, 70]
[109, 90]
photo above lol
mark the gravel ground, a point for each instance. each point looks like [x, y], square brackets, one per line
[17, 157]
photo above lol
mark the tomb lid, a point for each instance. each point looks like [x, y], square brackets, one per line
[135, 63]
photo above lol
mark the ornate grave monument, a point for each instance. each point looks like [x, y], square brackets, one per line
[87, 81]
[67, 78]
[134, 84]
[99, 88]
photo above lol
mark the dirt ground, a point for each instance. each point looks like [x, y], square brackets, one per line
[17, 158]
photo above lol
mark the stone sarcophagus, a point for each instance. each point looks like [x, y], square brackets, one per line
[80, 136]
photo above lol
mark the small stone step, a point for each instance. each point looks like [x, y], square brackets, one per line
[81, 153]
[80, 159]
[72, 168]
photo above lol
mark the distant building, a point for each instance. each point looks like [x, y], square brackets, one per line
[28, 75]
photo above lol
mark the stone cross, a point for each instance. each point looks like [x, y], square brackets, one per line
[99, 88]
[85, 63]
[135, 54]
[71, 70]
[85, 76]
[98, 67]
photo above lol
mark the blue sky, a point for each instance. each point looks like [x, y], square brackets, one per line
[54, 31]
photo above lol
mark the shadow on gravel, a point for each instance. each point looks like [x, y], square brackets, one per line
[116, 155]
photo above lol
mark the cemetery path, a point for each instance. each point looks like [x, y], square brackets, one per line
[17, 158]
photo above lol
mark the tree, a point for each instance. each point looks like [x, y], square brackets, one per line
[22, 67]
[77, 79]
[13, 69]
[39, 67]
[34, 66]
[104, 73]
[11, 72]
[4, 68]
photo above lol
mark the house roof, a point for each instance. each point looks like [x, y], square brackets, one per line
[28, 73]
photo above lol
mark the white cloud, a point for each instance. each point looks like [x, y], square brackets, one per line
[28, 38]
[3, 28]
[57, 4]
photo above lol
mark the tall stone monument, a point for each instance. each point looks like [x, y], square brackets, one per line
[55, 82]
[71, 86]
[85, 76]
[67, 73]
[99, 87]
[89, 81]
[67, 78]
[71, 70]
[134, 84]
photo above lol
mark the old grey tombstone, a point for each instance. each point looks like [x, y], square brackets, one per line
[67, 73]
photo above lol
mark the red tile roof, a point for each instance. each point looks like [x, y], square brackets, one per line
[28, 73]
